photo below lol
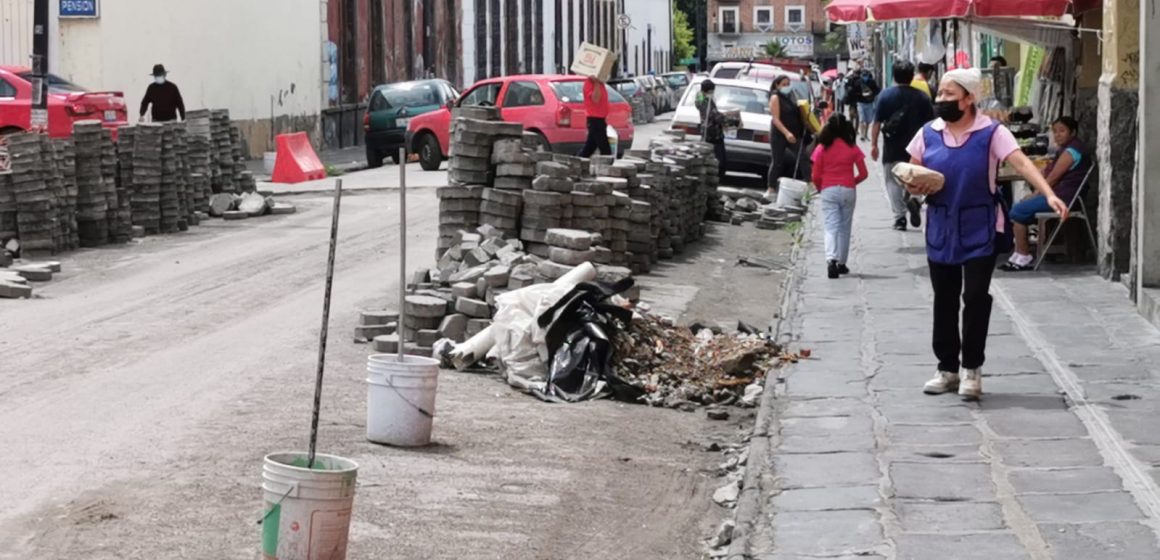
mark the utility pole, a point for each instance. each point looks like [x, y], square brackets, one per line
[40, 65]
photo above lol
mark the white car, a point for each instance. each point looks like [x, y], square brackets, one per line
[747, 147]
[742, 70]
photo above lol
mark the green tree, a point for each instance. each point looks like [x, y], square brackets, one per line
[682, 34]
[774, 49]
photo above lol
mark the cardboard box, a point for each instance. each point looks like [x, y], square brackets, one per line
[592, 60]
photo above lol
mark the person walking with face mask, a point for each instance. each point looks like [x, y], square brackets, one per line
[787, 132]
[164, 97]
[966, 225]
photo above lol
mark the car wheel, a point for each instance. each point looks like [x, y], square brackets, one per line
[430, 158]
[374, 158]
[541, 143]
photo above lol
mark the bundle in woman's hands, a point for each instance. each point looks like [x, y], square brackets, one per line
[919, 179]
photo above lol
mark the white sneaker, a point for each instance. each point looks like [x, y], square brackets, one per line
[971, 387]
[943, 382]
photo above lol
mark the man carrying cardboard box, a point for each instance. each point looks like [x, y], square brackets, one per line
[596, 106]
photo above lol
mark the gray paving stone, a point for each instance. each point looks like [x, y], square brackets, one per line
[976, 546]
[1060, 481]
[803, 557]
[826, 470]
[1089, 541]
[1016, 423]
[807, 386]
[1138, 427]
[824, 407]
[1021, 384]
[915, 415]
[949, 517]
[827, 434]
[915, 398]
[942, 481]
[934, 435]
[934, 454]
[1049, 453]
[818, 499]
[826, 533]
[1080, 508]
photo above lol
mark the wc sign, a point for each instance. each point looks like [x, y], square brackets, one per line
[80, 8]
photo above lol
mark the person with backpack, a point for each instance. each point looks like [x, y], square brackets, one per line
[901, 112]
[836, 158]
[967, 224]
[867, 90]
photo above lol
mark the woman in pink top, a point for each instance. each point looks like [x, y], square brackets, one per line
[835, 159]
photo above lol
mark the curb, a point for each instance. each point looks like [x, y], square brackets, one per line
[748, 511]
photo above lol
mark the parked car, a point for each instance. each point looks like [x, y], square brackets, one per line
[640, 98]
[390, 110]
[660, 93]
[67, 104]
[747, 147]
[678, 82]
[552, 106]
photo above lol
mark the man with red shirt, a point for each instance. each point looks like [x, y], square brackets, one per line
[596, 106]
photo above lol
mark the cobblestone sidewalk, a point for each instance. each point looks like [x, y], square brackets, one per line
[1057, 461]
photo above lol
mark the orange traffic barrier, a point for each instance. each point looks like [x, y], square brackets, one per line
[296, 161]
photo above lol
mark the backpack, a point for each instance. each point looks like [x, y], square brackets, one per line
[893, 125]
[868, 93]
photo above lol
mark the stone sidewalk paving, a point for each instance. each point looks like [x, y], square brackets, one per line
[1056, 462]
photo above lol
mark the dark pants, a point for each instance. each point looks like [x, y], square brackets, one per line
[719, 149]
[785, 157]
[971, 281]
[597, 138]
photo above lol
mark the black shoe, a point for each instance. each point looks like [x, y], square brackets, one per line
[900, 224]
[842, 269]
[832, 269]
[914, 206]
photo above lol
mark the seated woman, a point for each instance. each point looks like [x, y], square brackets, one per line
[1065, 175]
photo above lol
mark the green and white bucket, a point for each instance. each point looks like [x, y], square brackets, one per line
[307, 511]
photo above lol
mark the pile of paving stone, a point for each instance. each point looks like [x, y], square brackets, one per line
[36, 204]
[16, 277]
[740, 207]
[93, 192]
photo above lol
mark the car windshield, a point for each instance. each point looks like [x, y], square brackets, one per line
[726, 73]
[627, 88]
[733, 98]
[572, 91]
[56, 84]
[411, 95]
[677, 80]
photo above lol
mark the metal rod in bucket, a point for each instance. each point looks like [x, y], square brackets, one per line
[325, 322]
[402, 250]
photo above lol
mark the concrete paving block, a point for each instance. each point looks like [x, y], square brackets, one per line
[470, 274]
[386, 344]
[476, 257]
[501, 222]
[949, 517]
[367, 332]
[454, 326]
[12, 290]
[467, 192]
[612, 274]
[538, 250]
[473, 308]
[1063, 481]
[425, 306]
[521, 279]
[826, 470]
[1087, 541]
[496, 209]
[934, 435]
[459, 219]
[464, 163]
[512, 184]
[928, 481]
[497, 277]
[533, 235]
[377, 317]
[554, 170]
[458, 205]
[592, 187]
[493, 244]
[573, 239]
[52, 266]
[541, 223]
[1049, 453]
[1081, 508]
[506, 198]
[427, 337]
[33, 273]
[465, 177]
[552, 270]
[818, 499]
[569, 257]
[1015, 423]
[544, 198]
[481, 288]
[232, 215]
[515, 170]
[827, 533]
[971, 546]
[475, 326]
[417, 323]
[552, 184]
[464, 289]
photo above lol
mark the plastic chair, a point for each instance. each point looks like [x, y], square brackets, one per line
[1075, 214]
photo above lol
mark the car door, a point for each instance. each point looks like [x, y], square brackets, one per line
[525, 102]
[15, 109]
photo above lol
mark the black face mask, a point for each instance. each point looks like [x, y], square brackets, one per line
[948, 111]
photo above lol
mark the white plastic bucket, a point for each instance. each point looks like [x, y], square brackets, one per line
[401, 399]
[790, 192]
[268, 161]
[613, 139]
[307, 511]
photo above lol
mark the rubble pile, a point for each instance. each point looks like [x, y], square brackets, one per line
[102, 186]
[673, 366]
[738, 207]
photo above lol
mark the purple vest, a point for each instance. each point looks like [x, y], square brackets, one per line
[961, 217]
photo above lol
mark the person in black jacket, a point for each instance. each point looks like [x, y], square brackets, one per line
[164, 96]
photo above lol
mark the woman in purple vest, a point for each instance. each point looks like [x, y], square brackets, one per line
[964, 225]
[1066, 175]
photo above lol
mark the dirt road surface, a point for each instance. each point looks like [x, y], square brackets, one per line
[142, 387]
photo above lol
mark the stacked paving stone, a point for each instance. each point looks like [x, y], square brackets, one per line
[222, 152]
[147, 175]
[198, 158]
[458, 211]
[170, 184]
[119, 218]
[92, 192]
[8, 229]
[63, 184]
[36, 218]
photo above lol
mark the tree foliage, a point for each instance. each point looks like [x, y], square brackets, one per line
[682, 34]
[774, 49]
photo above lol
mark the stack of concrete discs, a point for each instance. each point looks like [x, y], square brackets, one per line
[92, 193]
[458, 211]
[501, 209]
[514, 169]
[146, 195]
[170, 193]
[36, 209]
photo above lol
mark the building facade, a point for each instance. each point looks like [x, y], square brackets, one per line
[741, 29]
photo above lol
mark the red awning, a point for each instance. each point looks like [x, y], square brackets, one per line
[849, 11]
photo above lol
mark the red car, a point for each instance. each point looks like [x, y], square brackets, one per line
[552, 106]
[67, 103]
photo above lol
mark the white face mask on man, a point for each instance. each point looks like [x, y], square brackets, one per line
[159, 80]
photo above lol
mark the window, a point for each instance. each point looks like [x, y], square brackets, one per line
[486, 94]
[523, 94]
[730, 19]
[378, 102]
[795, 18]
[763, 18]
[572, 91]
[6, 89]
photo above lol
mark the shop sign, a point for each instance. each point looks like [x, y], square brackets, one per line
[80, 8]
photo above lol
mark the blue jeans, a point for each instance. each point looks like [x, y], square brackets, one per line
[838, 213]
[866, 113]
[1024, 212]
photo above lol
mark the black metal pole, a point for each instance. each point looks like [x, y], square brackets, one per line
[322, 333]
[40, 64]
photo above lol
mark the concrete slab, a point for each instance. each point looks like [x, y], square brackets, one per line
[1049, 453]
[1119, 540]
[837, 498]
[949, 517]
[1081, 508]
[974, 546]
[826, 470]
[942, 481]
[827, 533]
[1059, 481]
